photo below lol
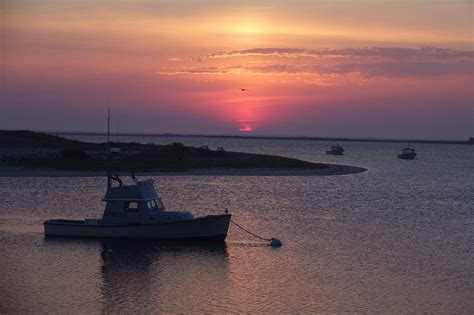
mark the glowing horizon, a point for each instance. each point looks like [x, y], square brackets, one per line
[362, 68]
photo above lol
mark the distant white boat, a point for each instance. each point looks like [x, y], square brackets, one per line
[336, 150]
[408, 153]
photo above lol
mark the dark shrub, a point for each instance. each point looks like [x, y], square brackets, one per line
[204, 149]
[177, 146]
[74, 154]
[179, 149]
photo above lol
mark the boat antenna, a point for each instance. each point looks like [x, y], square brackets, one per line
[109, 178]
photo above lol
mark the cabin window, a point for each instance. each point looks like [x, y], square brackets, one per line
[131, 206]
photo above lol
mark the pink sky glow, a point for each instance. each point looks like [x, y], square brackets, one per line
[310, 68]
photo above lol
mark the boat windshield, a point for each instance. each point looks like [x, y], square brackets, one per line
[155, 204]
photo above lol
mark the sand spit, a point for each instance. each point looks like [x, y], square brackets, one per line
[333, 169]
[33, 154]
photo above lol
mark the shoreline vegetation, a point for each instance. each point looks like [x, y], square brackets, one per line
[297, 138]
[28, 153]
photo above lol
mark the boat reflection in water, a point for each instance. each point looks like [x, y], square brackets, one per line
[155, 275]
[160, 275]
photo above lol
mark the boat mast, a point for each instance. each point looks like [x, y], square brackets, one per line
[109, 178]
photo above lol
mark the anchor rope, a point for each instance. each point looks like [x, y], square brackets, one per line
[241, 227]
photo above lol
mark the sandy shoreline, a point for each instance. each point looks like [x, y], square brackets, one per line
[334, 169]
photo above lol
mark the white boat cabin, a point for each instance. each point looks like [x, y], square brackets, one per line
[408, 150]
[138, 204]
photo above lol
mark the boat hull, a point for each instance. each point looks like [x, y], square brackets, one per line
[208, 227]
[335, 152]
[407, 156]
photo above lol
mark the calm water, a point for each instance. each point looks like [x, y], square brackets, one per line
[398, 238]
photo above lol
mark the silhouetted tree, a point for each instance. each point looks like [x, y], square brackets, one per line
[179, 148]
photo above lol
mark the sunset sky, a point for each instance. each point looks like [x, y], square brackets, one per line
[378, 69]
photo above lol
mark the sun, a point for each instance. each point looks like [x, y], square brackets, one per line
[246, 128]
[249, 26]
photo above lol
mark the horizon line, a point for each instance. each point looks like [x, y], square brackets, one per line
[276, 137]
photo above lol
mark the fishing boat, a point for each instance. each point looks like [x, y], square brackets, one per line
[408, 153]
[336, 150]
[137, 211]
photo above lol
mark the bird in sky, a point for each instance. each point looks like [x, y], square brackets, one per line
[243, 90]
